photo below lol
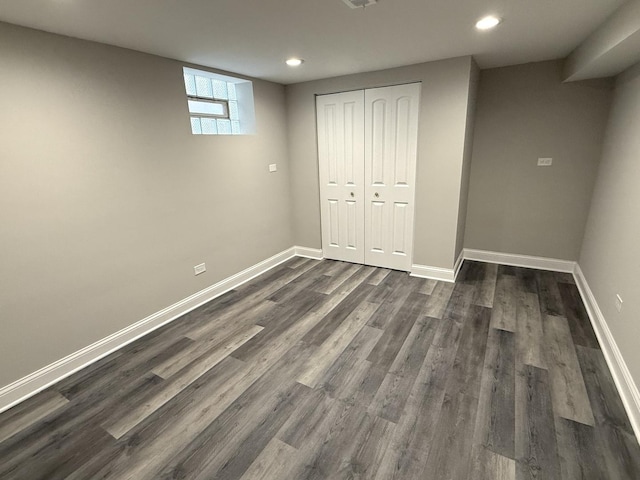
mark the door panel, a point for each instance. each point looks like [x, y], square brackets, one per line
[376, 240]
[352, 222]
[334, 223]
[403, 143]
[340, 120]
[391, 138]
[378, 137]
[352, 164]
[399, 240]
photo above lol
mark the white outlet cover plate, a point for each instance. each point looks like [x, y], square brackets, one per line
[545, 162]
[198, 269]
[273, 167]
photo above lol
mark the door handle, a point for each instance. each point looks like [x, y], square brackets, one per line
[352, 194]
[376, 194]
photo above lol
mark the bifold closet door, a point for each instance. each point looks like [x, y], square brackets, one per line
[340, 120]
[391, 144]
[367, 149]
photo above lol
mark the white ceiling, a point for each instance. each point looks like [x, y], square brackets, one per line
[255, 37]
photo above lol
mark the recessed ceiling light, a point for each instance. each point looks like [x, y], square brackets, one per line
[487, 23]
[294, 62]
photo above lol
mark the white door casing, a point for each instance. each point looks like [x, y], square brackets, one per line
[367, 149]
[340, 120]
[391, 143]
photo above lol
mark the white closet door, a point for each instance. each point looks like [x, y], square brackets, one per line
[391, 140]
[341, 161]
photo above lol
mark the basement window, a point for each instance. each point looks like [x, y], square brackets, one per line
[219, 104]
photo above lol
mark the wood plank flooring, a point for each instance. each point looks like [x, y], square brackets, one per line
[329, 370]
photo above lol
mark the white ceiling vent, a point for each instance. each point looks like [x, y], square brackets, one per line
[360, 3]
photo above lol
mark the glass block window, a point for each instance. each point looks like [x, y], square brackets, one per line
[219, 104]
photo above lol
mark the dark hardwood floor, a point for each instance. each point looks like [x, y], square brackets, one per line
[328, 370]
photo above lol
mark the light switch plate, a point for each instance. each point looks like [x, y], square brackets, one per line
[273, 167]
[198, 269]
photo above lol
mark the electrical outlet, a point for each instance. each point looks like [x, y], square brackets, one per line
[619, 303]
[545, 162]
[273, 167]
[198, 269]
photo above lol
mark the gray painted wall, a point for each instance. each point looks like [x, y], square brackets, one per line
[525, 112]
[441, 142]
[106, 199]
[468, 152]
[610, 259]
[610, 49]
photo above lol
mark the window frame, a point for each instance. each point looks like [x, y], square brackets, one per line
[223, 103]
[235, 97]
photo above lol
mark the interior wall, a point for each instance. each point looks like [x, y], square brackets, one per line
[525, 112]
[107, 200]
[610, 48]
[468, 152]
[443, 117]
[610, 259]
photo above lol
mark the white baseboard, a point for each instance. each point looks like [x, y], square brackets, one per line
[314, 253]
[458, 265]
[627, 388]
[438, 273]
[433, 273]
[28, 386]
[540, 263]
